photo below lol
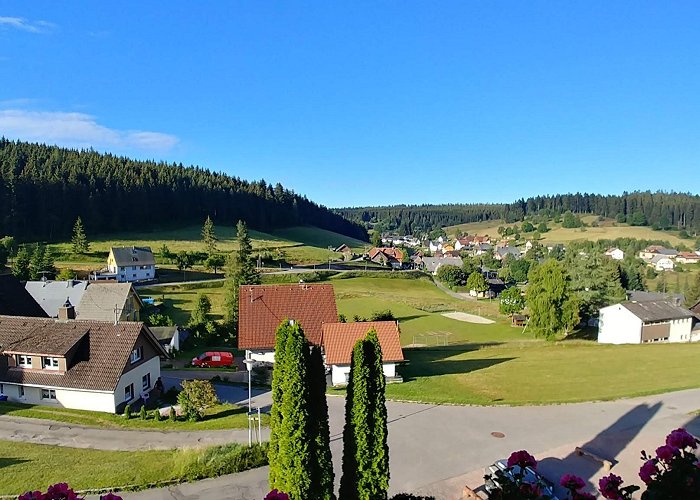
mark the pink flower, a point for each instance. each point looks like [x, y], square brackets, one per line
[610, 487]
[681, 439]
[582, 495]
[522, 458]
[648, 469]
[276, 495]
[110, 496]
[60, 491]
[571, 482]
[31, 495]
[666, 453]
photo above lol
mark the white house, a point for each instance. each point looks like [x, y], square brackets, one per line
[644, 322]
[662, 263]
[434, 247]
[340, 338]
[86, 365]
[131, 263]
[528, 245]
[261, 309]
[432, 264]
[170, 337]
[615, 254]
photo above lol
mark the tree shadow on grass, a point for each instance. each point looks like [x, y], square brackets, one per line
[6, 462]
[435, 361]
[239, 410]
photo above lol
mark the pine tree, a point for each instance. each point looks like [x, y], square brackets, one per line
[693, 295]
[41, 263]
[79, 240]
[295, 437]
[365, 448]
[321, 472]
[240, 270]
[208, 236]
[20, 266]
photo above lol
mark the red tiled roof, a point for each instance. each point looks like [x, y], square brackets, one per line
[340, 338]
[261, 309]
[389, 252]
[103, 350]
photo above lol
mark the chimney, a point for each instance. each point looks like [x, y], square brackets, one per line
[66, 311]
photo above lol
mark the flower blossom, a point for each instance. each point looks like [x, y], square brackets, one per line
[581, 495]
[276, 495]
[110, 496]
[648, 469]
[681, 439]
[31, 495]
[572, 482]
[610, 486]
[666, 452]
[522, 458]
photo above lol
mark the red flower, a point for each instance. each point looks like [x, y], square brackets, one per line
[276, 495]
[571, 482]
[666, 453]
[610, 487]
[648, 469]
[582, 495]
[110, 496]
[681, 439]
[523, 459]
[31, 495]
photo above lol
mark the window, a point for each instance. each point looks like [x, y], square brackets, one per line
[133, 275]
[129, 392]
[49, 363]
[146, 381]
[20, 389]
[24, 361]
[2, 389]
[133, 268]
[136, 354]
[48, 394]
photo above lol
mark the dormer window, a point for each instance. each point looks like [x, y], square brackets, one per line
[49, 363]
[24, 361]
[136, 354]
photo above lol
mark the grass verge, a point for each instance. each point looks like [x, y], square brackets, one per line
[27, 466]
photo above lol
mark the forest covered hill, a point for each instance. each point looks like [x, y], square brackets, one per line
[43, 189]
[659, 210]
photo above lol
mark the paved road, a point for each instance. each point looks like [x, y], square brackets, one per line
[437, 449]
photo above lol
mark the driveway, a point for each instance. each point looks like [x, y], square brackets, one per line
[439, 449]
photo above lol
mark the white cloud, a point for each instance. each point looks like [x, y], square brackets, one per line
[78, 130]
[23, 24]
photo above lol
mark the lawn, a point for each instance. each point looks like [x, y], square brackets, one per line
[558, 234]
[299, 244]
[223, 416]
[541, 373]
[28, 466]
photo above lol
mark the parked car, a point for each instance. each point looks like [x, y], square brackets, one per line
[530, 476]
[213, 359]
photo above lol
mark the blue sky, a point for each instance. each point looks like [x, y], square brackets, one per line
[359, 103]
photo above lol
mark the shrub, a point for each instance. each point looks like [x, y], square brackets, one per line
[156, 415]
[172, 415]
[195, 398]
[142, 413]
[383, 315]
[225, 459]
[127, 411]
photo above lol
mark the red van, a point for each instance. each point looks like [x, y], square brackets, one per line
[213, 358]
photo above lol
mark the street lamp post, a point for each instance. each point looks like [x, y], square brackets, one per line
[249, 365]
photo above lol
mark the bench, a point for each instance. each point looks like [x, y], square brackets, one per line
[607, 464]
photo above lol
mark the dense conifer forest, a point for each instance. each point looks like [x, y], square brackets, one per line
[43, 189]
[660, 210]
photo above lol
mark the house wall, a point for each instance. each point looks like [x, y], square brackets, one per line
[339, 373]
[66, 398]
[664, 264]
[680, 330]
[134, 376]
[617, 325]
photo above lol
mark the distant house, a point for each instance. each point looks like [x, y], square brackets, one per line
[502, 252]
[464, 242]
[345, 250]
[644, 322]
[261, 309]
[100, 301]
[86, 365]
[126, 264]
[644, 296]
[432, 264]
[434, 246]
[482, 248]
[688, 258]
[528, 245]
[615, 253]
[340, 338]
[387, 256]
[657, 250]
[447, 248]
[662, 263]
[170, 337]
[696, 310]
[16, 301]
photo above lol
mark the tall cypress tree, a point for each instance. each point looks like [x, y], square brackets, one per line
[322, 463]
[365, 448]
[278, 377]
[240, 270]
[295, 438]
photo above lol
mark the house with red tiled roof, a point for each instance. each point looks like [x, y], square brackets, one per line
[79, 364]
[387, 256]
[340, 338]
[261, 309]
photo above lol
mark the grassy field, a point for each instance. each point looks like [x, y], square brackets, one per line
[28, 466]
[223, 416]
[558, 234]
[299, 244]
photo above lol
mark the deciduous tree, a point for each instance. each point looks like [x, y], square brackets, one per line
[511, 301]
[553, 309]
[196, 396]
[477, 282]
